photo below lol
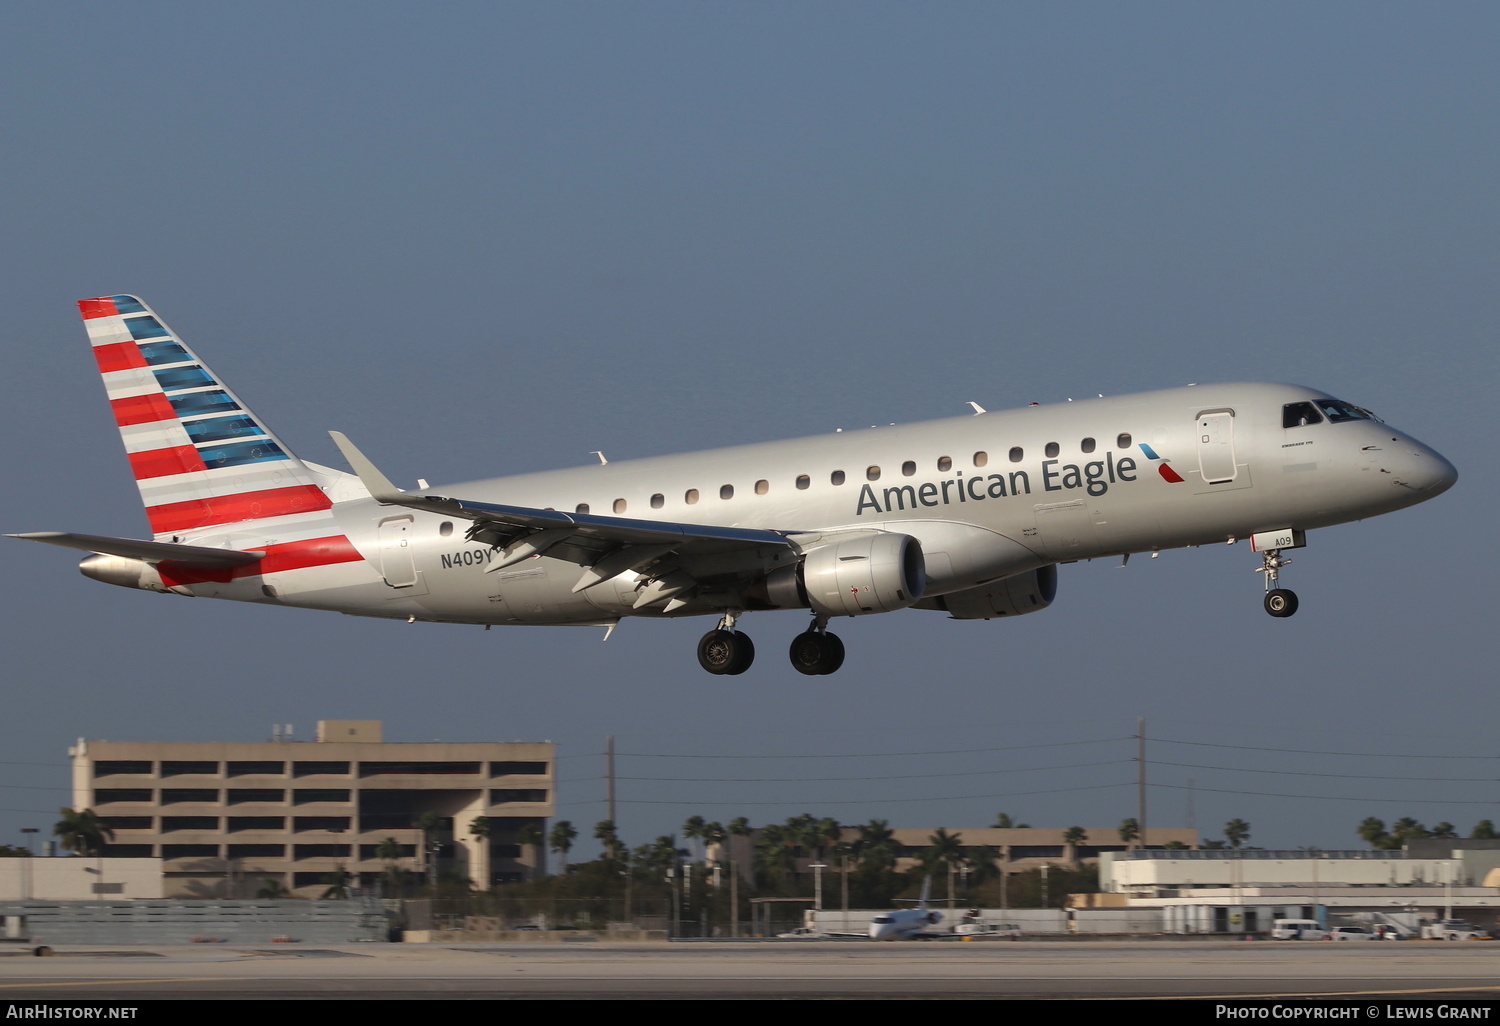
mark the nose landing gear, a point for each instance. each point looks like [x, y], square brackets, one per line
[1280, 602]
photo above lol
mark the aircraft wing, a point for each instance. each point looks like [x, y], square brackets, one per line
[147, 551]
[679, 555]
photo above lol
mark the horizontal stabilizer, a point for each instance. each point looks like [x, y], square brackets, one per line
[147, 551]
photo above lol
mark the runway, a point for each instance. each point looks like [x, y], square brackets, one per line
[853, 969]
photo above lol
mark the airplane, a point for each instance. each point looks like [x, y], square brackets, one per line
[969, 515]
[909, 923]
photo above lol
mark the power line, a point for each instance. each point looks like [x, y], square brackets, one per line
[876, 801]
[897, 776]
[1304, 751]
[1333, 798]
[877, 755]
[1354, 776]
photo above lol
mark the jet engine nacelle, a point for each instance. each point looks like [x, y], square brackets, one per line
[1013, 596]
[123, 571]
[867, 573]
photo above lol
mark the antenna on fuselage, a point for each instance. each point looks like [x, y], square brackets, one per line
[977, 408]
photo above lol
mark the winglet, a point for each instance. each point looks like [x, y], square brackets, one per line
[380, 487]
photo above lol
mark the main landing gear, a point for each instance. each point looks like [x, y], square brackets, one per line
[1279, 601]
[726, 651]
[815, 652]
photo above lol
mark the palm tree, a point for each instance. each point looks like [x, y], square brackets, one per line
[739, 827]
[561, 840]
[875, 847]
[829, 834]
[428, 823]
[389, 852]
[271, 890]
[1236, 832]
[1372, 832]
[1130, 831]
[82, 832]
[944, 847]
[1004, 822]
[713, 836]
[338, 885]
[1073, 837]
[692, 830]
[1407, 829]
[1484, 830]
[606, 834]
[1444, 831]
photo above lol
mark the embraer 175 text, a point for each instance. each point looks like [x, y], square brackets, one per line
[968, 516]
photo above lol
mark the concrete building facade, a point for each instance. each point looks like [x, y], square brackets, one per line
[229, 818]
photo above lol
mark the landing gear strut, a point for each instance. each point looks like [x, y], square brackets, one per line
[1279, 601]
[725, 650]
[815, 652]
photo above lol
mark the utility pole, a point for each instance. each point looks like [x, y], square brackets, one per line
[1140, 776]
[609, 777]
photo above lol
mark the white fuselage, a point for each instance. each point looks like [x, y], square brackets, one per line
[987, 496]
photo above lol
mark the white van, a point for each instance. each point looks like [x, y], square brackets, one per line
[1298, 929]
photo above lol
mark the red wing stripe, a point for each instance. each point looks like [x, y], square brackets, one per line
[298, 555]
[226, 509]
[180, 459]
[118, 356]
[102, 307]
[142, 409]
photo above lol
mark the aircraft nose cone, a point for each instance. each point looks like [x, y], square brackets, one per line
[1428, 472]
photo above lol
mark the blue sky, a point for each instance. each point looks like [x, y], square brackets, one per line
[485, 238]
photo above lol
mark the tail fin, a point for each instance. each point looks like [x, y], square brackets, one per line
[201, 458]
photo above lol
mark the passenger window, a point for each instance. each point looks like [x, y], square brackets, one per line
[1123, 442]
[445, 528]
[908, 468]
[1087, 445]
[803, 481]
[726, 491]
[837, 477]
[945, 463]
[691, 497]
[1300, 415]
[1016, 454]
[619, 505]
[1053, 449]
[981, 458]
[657, 500]
[583, 507]
[762, 487]
[872, 473]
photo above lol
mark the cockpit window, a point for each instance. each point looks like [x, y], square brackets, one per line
[1337, 410]
[1300, 415]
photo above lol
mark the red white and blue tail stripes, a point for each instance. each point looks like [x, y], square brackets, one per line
[201, 459]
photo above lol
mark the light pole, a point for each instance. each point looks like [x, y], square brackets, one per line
[26, 868]
[817, 868]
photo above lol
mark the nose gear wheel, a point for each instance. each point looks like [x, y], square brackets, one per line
[1280, 602]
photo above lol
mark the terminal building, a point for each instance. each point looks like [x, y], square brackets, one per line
[233, 820]
[1244, 891]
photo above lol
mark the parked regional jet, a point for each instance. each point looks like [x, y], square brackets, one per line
[909, 923]
[968, 516]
